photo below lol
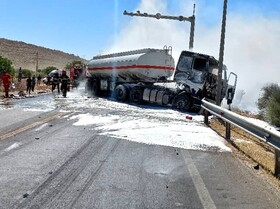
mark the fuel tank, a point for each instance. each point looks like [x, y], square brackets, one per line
[144, 65]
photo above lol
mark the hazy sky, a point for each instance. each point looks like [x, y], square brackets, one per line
[89, 27]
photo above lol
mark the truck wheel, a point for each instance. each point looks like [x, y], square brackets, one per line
[181, 102]
[136, 94]
[95, 88]
[121, 93]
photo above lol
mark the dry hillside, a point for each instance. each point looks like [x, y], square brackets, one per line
[25, 55]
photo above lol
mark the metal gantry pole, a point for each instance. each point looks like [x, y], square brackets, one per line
[221, 54]
[158, 16]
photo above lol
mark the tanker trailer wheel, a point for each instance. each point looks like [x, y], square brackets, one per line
[88, 86]
[95, 88]
[136, 94]
[121, 93]
[181, 102]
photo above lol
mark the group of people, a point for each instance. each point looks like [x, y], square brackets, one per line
[31, 82]
[64, 80]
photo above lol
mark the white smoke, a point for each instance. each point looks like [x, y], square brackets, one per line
[251, 44]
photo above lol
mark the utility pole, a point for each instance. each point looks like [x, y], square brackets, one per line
[158, 16]
[221, 54]
[36, 62]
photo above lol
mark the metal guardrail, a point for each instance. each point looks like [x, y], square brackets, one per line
[267, 134]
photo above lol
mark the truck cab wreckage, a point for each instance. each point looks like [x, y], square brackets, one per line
[149, 76]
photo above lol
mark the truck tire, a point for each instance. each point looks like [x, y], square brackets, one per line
[88, 86]
[121, 93]
[136, 94]
[181, 102]
[95, 88]
[92, 87]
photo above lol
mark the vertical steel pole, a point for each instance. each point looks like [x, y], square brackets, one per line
[192, 30]
[36, 62]
[221, 55]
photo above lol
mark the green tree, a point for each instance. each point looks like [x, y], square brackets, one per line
[47, 70]
[269, 103]
[6, 64]
[273, 110]
[73, 63]
[26, 73]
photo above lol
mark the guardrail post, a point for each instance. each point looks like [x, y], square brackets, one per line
[227, 131]
[206, 115]
[277, 163]
[228, 126]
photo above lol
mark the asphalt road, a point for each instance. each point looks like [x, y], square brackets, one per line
[47, 162]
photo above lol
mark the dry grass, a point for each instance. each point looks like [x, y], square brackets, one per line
[249, 149]
[259, 151]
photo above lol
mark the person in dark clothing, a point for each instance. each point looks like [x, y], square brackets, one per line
[19, 74]
[33, 82]
[39, 80]
[65, 81]
[55, 82]
[28, 84]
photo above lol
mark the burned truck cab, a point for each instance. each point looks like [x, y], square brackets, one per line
[197, 74]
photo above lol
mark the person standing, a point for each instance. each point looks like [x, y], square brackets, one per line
[28, 85]
[6, 77]
[55, 82]
[39, 80]
[33, 82]
[19, 74]
[65, 81]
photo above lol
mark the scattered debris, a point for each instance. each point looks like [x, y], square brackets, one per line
[256, 167]
[188, 117]
[25, 195]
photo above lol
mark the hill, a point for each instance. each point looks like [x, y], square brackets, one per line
[25, 55]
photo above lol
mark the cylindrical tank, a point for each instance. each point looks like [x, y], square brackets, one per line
[145, 65]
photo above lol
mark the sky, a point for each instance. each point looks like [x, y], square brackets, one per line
[90, 27]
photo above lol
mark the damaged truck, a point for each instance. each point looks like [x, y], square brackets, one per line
[150, 76]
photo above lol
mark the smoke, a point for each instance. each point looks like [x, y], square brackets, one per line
[251, 44]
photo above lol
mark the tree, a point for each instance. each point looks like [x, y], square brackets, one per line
[47, 70]
[73, 63]
[6, 64]
[274, 109]
[26, 73]
[269, 103]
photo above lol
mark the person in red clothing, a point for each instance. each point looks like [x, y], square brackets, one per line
[6, 77]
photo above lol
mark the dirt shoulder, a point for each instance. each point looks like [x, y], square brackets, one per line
[257, 155]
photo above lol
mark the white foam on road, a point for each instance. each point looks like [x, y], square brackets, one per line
[180, 134]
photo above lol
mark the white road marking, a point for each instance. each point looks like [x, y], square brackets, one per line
[200, 187]
[13, 146]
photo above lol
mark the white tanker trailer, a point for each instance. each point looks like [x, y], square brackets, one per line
[144, 75]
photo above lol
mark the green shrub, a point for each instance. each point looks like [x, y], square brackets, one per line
[6, 64]
[269, 103]
[273, 109]
[26, 73]
[47, 70]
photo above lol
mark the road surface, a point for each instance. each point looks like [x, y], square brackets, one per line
[84, 152]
